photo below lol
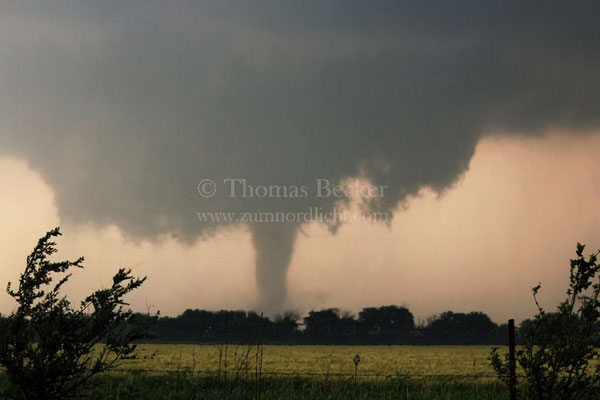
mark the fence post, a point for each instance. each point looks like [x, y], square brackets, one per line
[512, 361]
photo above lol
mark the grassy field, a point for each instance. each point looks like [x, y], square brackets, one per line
[310, 372]
[158, 387]
[379, 360]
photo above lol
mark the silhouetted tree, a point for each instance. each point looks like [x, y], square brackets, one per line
[286, 324]
[46, 346]
[525, 328]
[461, 328]
[375, 325]
[321, 325]
[559, 354]
[478, 328]
[387, 323]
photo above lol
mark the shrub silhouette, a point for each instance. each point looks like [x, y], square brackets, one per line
[49, 349]
[559, 354]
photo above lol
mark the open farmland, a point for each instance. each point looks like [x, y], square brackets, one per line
[374, 360]
[185, 371]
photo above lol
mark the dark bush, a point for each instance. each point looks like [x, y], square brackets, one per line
[50, 349]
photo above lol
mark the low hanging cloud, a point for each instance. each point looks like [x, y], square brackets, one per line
[125, 109]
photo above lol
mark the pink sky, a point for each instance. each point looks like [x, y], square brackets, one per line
[511, 221]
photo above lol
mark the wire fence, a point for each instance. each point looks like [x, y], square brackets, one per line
[252, 353]
[310, 374]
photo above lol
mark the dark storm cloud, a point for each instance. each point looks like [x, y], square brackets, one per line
[124, 107]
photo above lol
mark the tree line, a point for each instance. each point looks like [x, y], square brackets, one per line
[373, 325]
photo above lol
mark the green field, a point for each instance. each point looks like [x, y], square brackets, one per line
[307, 372]
[378, 360]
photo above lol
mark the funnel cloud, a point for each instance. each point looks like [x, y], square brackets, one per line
[125, 108]
[273, 245]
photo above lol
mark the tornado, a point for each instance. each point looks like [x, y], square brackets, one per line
[123, 112]
[273, 245]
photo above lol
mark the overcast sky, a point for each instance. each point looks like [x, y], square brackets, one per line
[479, 123]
